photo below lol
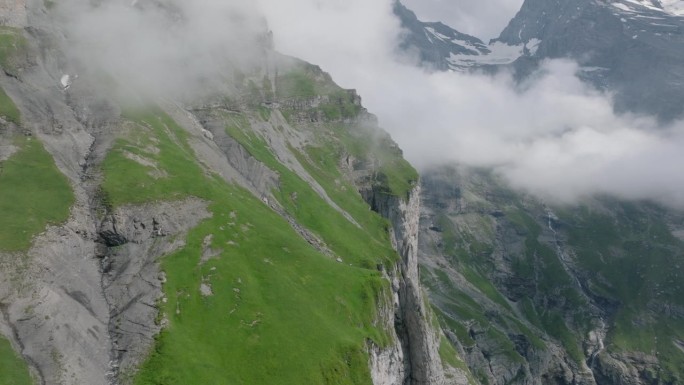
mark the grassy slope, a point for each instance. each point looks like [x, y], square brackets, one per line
[364, 246]
[13, 46]
[13, 370]
[281, 311]
[635, 260]
[7, 108]
[33, 193]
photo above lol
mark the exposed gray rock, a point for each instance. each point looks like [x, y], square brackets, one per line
[135, 238]
[388, 365]
[13, 13]
[6, 150]
[261, 178]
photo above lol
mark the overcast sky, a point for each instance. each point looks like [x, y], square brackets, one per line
[481, 18]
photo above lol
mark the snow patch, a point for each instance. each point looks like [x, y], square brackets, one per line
[622, 7]
[533, 45]
[65, 81]
[671, 7]
[674, 7]
[501, 53]
[436, 34]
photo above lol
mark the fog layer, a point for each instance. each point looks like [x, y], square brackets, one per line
[553, 136]
[158, 48]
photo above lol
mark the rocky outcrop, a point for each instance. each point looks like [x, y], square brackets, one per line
[13, 13]
[388, 365]
[258, 177]
[132, 239]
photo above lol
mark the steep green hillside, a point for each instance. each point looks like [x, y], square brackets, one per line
[13, 370]
[269, 307]
[33, 193]
[512, 276]
[13, 49]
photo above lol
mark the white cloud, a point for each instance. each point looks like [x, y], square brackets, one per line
[553, 136]
[160, 48]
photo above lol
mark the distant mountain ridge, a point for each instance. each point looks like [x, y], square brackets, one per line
[436, 43]
[633, 48]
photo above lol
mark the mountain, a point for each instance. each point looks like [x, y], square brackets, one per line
[215, 212]
[528, 292]
[633, 49]
[440, 47]
[436, 44]
[254, 227]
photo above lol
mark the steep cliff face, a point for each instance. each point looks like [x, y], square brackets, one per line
[535, 294]
[419, 342]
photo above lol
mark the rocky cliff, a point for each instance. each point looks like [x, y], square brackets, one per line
[418, 348]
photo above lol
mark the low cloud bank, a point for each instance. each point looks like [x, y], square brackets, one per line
[157, 48]
[553, 136]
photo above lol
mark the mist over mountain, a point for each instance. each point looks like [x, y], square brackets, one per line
[163, 48]
[553, 133]
[224, 192]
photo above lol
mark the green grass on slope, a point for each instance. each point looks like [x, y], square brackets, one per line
[7, 108]
[338, 106]
[13, 370]
[281, 312]
[541, 264]
[364, 246]
[458, 309]
[33, 193]
[12, 44]
[471, 257]
[473, 261]
[634, 259]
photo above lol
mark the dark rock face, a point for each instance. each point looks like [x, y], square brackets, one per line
[435, 43]
[635, 50]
